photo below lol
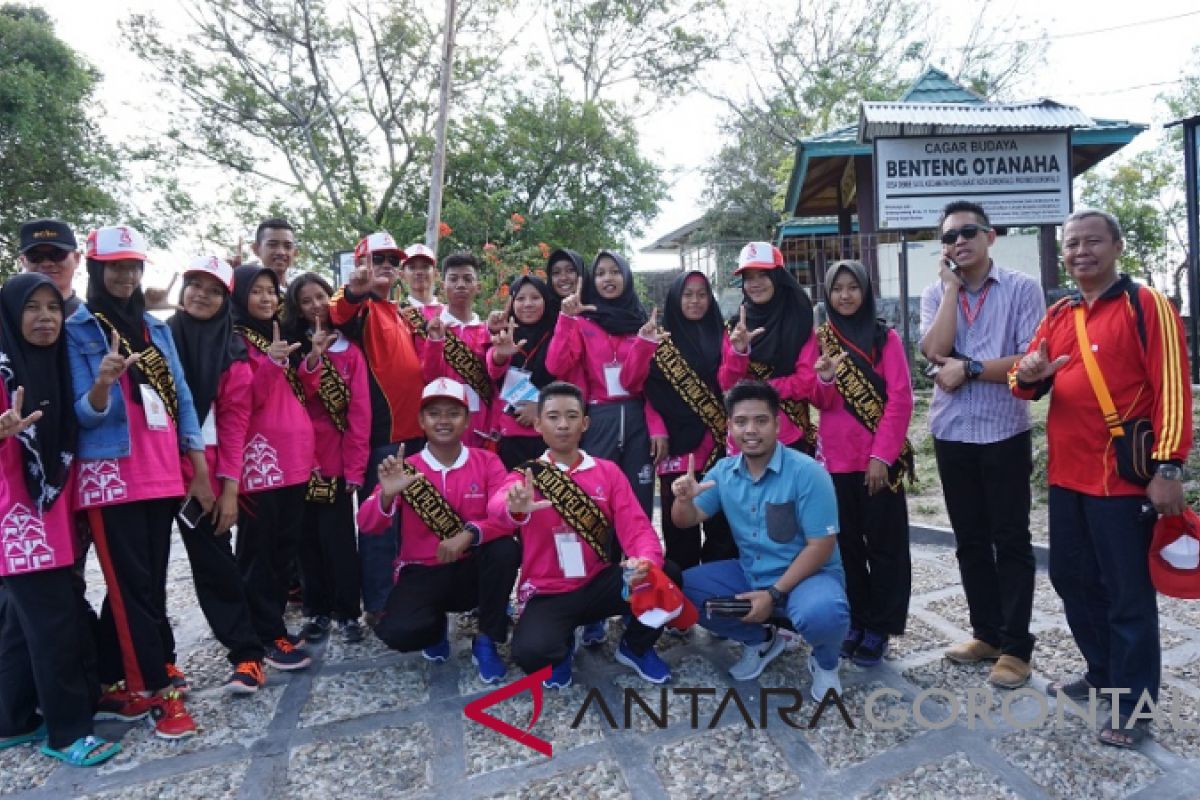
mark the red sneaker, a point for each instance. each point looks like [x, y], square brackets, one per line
[171, 719]
[118, 703]
[179, 681]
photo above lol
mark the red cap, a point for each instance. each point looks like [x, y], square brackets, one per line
[380, 242]
[658, 601]
[1175, 555]
[759, 255]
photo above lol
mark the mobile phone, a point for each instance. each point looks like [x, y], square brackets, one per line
[726, 607]
[954, 267]
[191, 513]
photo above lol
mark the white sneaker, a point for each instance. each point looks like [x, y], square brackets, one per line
[823, 680]
[756, 657]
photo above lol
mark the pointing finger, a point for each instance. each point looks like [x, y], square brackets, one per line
[742, 318]
[18, 399]
[757, 332]
[129, 362]
[704, 487]
[114, 342]
[292, 348]
[691, 466]
[275, 330]
[1060, 362]
[1044, 349]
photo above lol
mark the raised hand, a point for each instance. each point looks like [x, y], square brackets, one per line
[235, 257]
[393, 478]
[651, 330]
[321, 339]
[572, 304]
[686, 488]
[951, 279]
[435, 330]
[520, 498]
[1036, 366]
[741, 337]
[114, 365]
[280, 349]
[503, 344]
[826, 366]
[496, 317]
[360, 280]
[11, 421]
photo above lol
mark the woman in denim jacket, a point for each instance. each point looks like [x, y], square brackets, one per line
[135, 418]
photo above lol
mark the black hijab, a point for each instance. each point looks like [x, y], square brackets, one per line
[786, 320]
[243, 281]
[537, 335]
[570, 255]
[127, 316]
[47, 446]
[861, 329]
[206, 349]
[699, 343]
[625, 314]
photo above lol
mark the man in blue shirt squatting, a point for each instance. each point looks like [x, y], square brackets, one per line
[781, 506]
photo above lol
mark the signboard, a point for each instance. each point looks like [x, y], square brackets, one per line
[1019, 178]
[343, 265]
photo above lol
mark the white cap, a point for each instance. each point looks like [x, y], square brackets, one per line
[116, 242]
[447, 389]
[419, 251]
[759, 255]
[211, 265]
[378, 242]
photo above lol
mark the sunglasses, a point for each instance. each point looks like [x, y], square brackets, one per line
[49, 254]
[379, 259]
[966, 231]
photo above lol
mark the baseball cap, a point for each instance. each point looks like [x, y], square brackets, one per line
[211, 265]
[116, 242]
[758, 255]
[1175, 555]
[47, 231]
[378, 242]
[658, 601]
[444, 388]
[419, 251]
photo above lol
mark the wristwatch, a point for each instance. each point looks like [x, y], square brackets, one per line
[973, 368]
[777, 597]
[1169, 471]
[476, 533]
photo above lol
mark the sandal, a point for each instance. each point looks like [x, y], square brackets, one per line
[86, 751]
[1125, 736]
[35, 735]
[1077, 690]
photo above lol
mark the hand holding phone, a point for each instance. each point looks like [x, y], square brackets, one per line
[726, 607]
[191, 513]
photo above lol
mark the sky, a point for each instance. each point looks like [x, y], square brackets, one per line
[1110, 59]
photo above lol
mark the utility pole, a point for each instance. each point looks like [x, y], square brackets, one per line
[438, 171]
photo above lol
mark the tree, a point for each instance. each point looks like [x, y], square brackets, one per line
[53, 160]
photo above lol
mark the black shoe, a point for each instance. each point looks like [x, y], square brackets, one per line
[850, 643]
[352, 631]
[316, 629]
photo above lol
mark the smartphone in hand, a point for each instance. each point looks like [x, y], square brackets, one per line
[191, 513]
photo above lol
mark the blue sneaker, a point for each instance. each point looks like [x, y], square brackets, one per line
[594, 634]
[485, 656]
[560, 675]
[437, 653]
[871, 650]
[648, 664]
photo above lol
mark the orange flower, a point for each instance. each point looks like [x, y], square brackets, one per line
[444, 230]
[544, 249]
[517, 221]
[503, 290]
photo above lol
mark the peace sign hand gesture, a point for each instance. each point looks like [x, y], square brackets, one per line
[393, 477]
[1036, 367]
[827, 366]
[502, 341]
[650, 331]
[520, 498]
[741, 337]
[280, 349]
[114, 365]
[572, 304]
[321, 339]
[11, 421]
[686, 488]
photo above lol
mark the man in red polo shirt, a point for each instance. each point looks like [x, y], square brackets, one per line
[1101, 522]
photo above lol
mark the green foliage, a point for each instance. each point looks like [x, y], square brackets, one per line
[53, 161]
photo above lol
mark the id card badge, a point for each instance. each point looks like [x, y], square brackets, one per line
[612, 380]
[570, 554]
[472, 399]
[155, 409]
[517, 385]
[209, 429]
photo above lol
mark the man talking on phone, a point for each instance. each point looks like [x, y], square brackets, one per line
[976, 321]
[782, 510]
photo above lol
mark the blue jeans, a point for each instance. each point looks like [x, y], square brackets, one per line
[817, 607]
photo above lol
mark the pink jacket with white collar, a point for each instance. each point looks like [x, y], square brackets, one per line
[280, 449]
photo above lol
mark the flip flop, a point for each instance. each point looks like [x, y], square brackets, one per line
[86, 751]
[35, 735]
[1126, 737]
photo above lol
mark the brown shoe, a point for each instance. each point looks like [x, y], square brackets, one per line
[1010, 672]
[972, 652]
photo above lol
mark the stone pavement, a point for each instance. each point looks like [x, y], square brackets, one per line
[367, 722]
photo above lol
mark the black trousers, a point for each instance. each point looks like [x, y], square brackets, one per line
[133, 545]
[220, 590]
[516, 450]
[617, 432]
[415, 616]
[44, 661]
[874, 544]
[268, 530]
[329, 558]
[987, 497]
[377, 553]
[684, 549]
[545, 633]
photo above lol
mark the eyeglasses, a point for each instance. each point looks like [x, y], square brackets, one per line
[47, 254]
[967, 232]
[379, 259]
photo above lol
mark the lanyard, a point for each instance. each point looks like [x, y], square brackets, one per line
[533, 352]
[966, 304]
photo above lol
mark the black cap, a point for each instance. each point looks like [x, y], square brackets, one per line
[47, 231]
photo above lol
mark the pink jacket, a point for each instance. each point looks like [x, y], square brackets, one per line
[506, 425]
[846, 444]
[579, 342]
[32, 542]
[231, 408]
[339, 454]
[607, 485]
[280, 449]
[467, 485]
[797, 386]
[434, 366]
